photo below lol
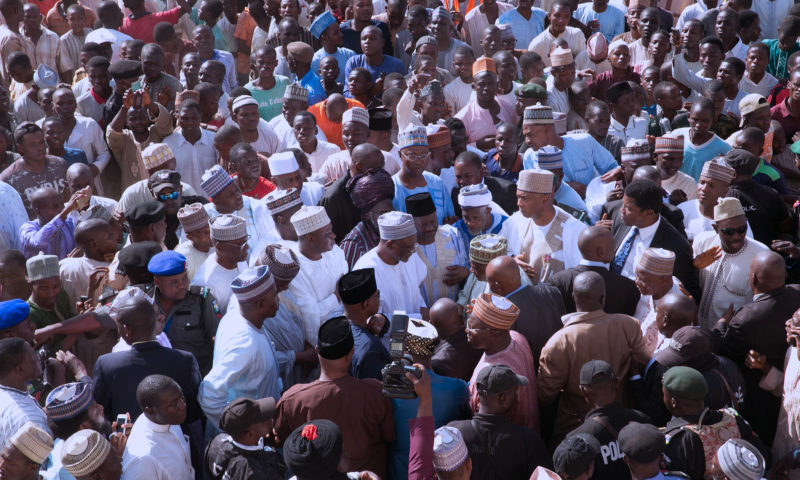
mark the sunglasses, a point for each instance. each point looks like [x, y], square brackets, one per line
[168, 196]
[733, 231]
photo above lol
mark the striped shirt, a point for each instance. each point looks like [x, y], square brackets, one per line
[70, 50]
[45, 50]
[17, 408]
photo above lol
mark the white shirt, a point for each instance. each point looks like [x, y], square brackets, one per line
[596, 196]
[640, 244]
[244, 366]
[695, 223]
[763, 88]
[457, 94]
[556, 98]
[114, 36]
[681, 181]
[695, 10]
[321, 153]
[17, 408]
[400, 285]
[218, 279]
[267, 142]
[88, 136]
[541, 44]
[285, 133]
[770, 14]
[95, 201]
[75, 275]
[314, 287]
[14, 215]
[158, 452]
[194, 257]
[635, 129]
[582, 62]
[193, 160]
[259, 223]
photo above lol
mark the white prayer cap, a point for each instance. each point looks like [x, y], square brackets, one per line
[739, 460]
[282, 163]
[474, 196]
[243, 100]
[396, 226]
[536, 181]
[84, 452]
[561, 57]
[356, 114]
[228, 228]
[310, 219]
[33, 442]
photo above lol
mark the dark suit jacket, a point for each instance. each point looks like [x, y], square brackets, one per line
[340, 209]
[668, 238]
[621, 292]
[116, 376]
[673, 214]
[759, 326]
[541, 308]
[504, 193]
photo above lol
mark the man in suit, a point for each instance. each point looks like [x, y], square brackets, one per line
[470, 170]
[540, 306]
[756, 332]
[597, 249]
[638, 225]
[117, 374]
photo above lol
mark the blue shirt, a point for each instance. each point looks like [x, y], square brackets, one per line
[583, 158]
[694, 157]
[311, 83]
[439, 194]
[342, 56]
[524, 30]
[567, 195]
[369, 354]
[466, 237]
[73, 155]
[612, 21]
[388, 65]
[450, 402]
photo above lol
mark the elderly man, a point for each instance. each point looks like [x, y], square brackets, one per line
[244, 357]
[698, 213]
[481, 116]
[588, 334]
[25, 452]
[477, 217]
[322, 264]
[229, 237]
[560, 80]
[654, 280]
[723, 258]
[372, 194]
[489, 329]
[546, 235]
[440, 249]
[398, 268]
[453, 355]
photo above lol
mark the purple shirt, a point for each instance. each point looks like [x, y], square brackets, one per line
[57, 237]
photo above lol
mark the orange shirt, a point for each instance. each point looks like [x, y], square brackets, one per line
[245, 26]
[58, 24]
[332, 131]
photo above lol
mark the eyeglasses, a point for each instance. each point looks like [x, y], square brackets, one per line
[240, 246]
[418, 156]
[482, 329]
[733, 231]
[169, 196]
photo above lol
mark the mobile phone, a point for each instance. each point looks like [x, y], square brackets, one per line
[137, 101]
[122, 419]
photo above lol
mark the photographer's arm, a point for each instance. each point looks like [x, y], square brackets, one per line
[421, 429]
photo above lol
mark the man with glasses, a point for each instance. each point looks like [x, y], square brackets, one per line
[229, 236]
[723, 258]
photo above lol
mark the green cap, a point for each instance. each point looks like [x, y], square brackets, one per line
[795, 148]
[531, 90]
[685, 383]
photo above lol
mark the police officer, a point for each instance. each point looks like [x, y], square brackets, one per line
[643, 446]
[600, 387]
[191, 314]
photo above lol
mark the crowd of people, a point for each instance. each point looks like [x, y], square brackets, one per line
[399, 239]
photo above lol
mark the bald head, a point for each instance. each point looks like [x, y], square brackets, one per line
[335, 107]
[674, 311]
[78, 176]
[364, 157]
[767, 272]
[588, 292]
[502, 273]
[647, 172]
[446, 317]
[596, 244]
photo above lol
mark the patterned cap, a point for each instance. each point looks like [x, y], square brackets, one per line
[441, 12]
[597, 46]
[669, 144]
[495, 311]
[717, 169]
[278, 201]
[421, 337]
[214, 180]
[740, 460]
[561, 57]
[657, 261]
[252, 283]
[321, 23]
[156, 154]
[483, 64]
[485, 248]
[45, 77]
[473, 196]
[295, 92]
[69, 400]
[33, 442]
[243, 100]
[434, 87]
[282, 262]
[413, 136]
[538, 115]
[282, 163]
[549, 158]
[42, 266]
[193, 217]
[84, 452]
[357, 115]
[438, 136]
[636, 149]
[396, 225]
[425, 40]
[310, 219]
[536, 181]
[727, 207]
[227, 228]
[449, 449]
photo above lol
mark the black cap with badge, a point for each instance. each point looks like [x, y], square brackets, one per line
[497, 379]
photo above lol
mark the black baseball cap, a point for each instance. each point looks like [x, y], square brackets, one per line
[241, 413]
[497, 379]
[164, 178]
[575, 454]
[596, 371]
[641, 442]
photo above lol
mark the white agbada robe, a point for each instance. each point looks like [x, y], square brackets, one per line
[157, 452]
[218, 279]
[695, 223]
[314, 289]
[726, 281]
[244, 366]
[399, 284]
[521, 228]
[194, 257]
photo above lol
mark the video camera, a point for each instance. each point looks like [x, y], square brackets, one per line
[395, 383]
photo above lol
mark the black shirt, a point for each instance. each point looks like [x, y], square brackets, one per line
[351, 38]
[763, 207]
[225, 460]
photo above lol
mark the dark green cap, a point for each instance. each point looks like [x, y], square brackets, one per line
[685, 383]
[531, 90]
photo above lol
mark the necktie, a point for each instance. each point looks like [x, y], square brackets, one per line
[622, 256]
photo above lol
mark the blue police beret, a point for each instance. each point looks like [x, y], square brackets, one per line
[13, 312]
[167, 263]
